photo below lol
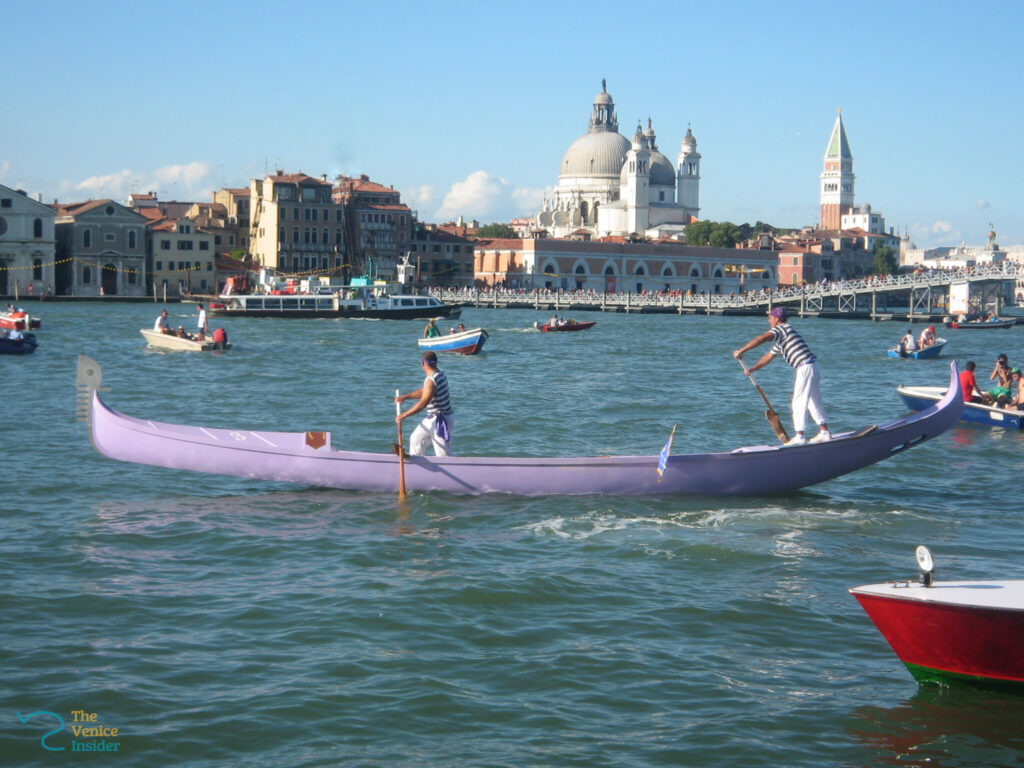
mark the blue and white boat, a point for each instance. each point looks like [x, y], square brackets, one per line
[21, 344]
[464, 342]
[922, 353]
[919, 398]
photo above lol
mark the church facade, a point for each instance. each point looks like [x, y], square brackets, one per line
[609, 185]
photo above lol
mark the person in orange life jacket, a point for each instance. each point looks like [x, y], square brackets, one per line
[439, 423]
[807, 385]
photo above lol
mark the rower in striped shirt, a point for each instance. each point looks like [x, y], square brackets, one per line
[436, 429]
[807, 385]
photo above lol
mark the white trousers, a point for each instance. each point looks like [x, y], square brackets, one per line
[426, 435]
[807, 396]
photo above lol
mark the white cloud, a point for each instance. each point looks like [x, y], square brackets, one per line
[5, 168]
[420, 198]
[982, 203]
[488, 198]
[187, 181]
[938, 233]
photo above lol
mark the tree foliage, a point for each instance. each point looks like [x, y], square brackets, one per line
[496, 230]
[725, 234]
[886, 262]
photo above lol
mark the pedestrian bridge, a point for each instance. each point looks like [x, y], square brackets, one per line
[919, 296]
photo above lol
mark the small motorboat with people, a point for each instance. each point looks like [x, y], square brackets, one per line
[921, 353]
[463, 342]
[14, 342]
[17, 319]
[218, 340]
[309, 458]
[979, 322]
[968, 631]
[555, 325]
[919, 398]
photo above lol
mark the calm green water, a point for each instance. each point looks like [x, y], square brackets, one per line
[220, 622]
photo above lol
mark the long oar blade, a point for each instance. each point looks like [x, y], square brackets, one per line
[776, 424]
[400, 450]
[773, 418]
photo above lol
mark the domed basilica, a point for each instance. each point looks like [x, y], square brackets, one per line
[609, 185]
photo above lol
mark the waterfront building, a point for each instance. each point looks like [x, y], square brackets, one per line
[609, 185]
[100, 249]
[379, 224]
[295, 225]
[441, 255]
[617, 265]
[27, 244]
[227, 218]
[180, 256]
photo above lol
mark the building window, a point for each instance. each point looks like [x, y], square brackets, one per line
[87, 239]
[86, 275]
[165, 245]
[131, 277]
[170, 266]
[132, 239]
[159, 266]
[37, 268]
[295, 235]
[37, 228]
[204, 245]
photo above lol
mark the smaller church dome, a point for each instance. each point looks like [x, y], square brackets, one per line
[662, 172]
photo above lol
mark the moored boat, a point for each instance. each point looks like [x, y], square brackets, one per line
[951, 630]
[310, 459]
[18, 320]
[980, 325]
[22, 344]
[463, 342]
[569, 325]
[380, 307]
[922, 353]
[185, 343]
[919, 398]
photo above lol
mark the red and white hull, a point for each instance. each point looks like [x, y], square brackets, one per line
[18, 321]
[955, 630]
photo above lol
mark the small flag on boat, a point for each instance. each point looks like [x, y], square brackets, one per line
[663, 456]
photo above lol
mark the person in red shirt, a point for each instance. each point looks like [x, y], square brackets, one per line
[969, 386]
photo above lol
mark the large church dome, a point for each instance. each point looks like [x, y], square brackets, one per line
[601, 151]
[596, 154]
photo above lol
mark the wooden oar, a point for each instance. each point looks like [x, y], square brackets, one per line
[770, 414]
[400, 450]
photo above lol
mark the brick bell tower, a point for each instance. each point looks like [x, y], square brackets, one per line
[836, 178]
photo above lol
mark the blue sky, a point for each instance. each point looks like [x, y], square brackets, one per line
[468, 107]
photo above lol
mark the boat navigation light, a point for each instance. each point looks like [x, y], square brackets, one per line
[926, 564]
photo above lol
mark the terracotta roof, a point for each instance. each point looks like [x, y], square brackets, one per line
[384, 207]
[363, 185]
[297, 178]
[501, 242]
[76, 209]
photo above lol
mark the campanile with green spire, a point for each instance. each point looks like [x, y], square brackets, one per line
[836, 178]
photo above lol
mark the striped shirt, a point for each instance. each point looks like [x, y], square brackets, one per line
[791, 345]
[440, 402]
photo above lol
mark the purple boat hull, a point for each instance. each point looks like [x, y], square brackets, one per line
[308, 458]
